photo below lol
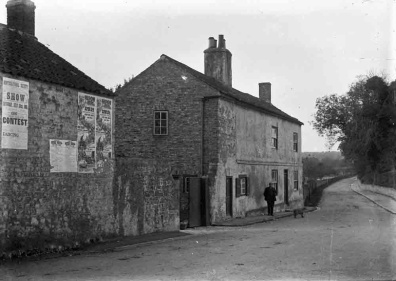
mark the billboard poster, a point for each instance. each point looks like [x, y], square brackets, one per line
[103, 130]
[63, 156]
[86, 133]
[15, 113]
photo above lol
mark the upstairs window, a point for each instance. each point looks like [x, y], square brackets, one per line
[295, 142]
[274, 179]
[160, 122]
[275, 137]
[296, 180]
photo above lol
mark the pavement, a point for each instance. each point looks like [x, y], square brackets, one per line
[111, 245]
[379, 198]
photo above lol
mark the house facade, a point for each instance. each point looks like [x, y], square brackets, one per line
[56, 145]
[218, 147]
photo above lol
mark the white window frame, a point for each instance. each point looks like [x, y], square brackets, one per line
[274, 137]
[160, 124]
[296, 180]
[295, 142]
[274, 179]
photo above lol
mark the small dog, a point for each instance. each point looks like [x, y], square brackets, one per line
[298, 212]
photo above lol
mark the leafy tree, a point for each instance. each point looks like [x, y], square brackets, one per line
[363, 122]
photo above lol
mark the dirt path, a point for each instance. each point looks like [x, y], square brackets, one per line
[348, 238]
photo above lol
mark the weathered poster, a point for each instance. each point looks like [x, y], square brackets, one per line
[103, 130]
[63, 156]
[86, 133]
[15, 106]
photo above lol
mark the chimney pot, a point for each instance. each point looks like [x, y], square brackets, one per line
[222, 42]
[212, 42]
[265, 91]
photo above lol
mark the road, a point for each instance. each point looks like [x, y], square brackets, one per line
[349, 238]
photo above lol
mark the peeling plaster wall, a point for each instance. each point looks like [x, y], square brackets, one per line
[39, 208]
[245, 149]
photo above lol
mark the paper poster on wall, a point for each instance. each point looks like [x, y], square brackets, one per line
[63, 156]
[86, 133]
[15, 112]
[103, 130]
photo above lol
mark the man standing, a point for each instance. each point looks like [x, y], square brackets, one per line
[270, 197]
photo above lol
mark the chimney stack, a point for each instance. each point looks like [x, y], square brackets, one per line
[218, 61]
[265, 91]
[21, 15]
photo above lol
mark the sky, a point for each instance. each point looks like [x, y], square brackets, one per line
[307, 48]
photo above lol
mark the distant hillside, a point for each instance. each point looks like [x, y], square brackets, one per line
[334, 155]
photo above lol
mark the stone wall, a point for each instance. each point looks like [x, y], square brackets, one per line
[144, 197]
[39, 208]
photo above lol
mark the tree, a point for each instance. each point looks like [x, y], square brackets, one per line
[363, 122]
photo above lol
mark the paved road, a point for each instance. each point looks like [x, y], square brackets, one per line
[349, 238]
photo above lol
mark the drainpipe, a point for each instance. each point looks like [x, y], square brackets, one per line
[202, 135]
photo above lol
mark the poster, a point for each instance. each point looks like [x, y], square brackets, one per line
[86, 133]
[63, 156]
[15, 106]
[103, 130]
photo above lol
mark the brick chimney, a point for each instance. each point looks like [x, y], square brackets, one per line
[20, 15]
[265, 91]
[218, 61]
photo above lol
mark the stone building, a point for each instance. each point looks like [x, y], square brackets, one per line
[216, 147]
[56, 160]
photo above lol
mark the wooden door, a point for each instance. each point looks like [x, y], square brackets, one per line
[229, 196]
[286, 186]
[195, 202]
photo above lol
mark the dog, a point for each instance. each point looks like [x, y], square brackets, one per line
[298, 212]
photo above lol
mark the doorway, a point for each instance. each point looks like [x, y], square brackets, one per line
[286, 186]
[195, 195]
[229, 196]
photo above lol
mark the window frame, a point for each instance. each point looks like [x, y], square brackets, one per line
[275, 179]
[295, 180]
[238, 186]
[295, 142]
[274, 139]
[160, 125]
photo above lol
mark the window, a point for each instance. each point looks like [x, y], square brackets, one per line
[295, 142]
[160, 122]
[296, 180]
[242, 186]
[274, 179]
[275, 137]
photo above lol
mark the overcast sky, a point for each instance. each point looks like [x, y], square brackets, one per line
[305, 48]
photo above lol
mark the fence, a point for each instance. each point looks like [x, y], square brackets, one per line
[313, 189]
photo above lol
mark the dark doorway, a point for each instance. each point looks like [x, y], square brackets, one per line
[229, 196]
[286, 186]
[195, 201]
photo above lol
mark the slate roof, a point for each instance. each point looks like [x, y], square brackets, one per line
[23, 55]
[235, 94]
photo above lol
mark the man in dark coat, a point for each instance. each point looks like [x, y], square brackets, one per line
[270, 197]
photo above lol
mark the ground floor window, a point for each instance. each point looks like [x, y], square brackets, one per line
[242, 185]
[274, 179]
[296, 180]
